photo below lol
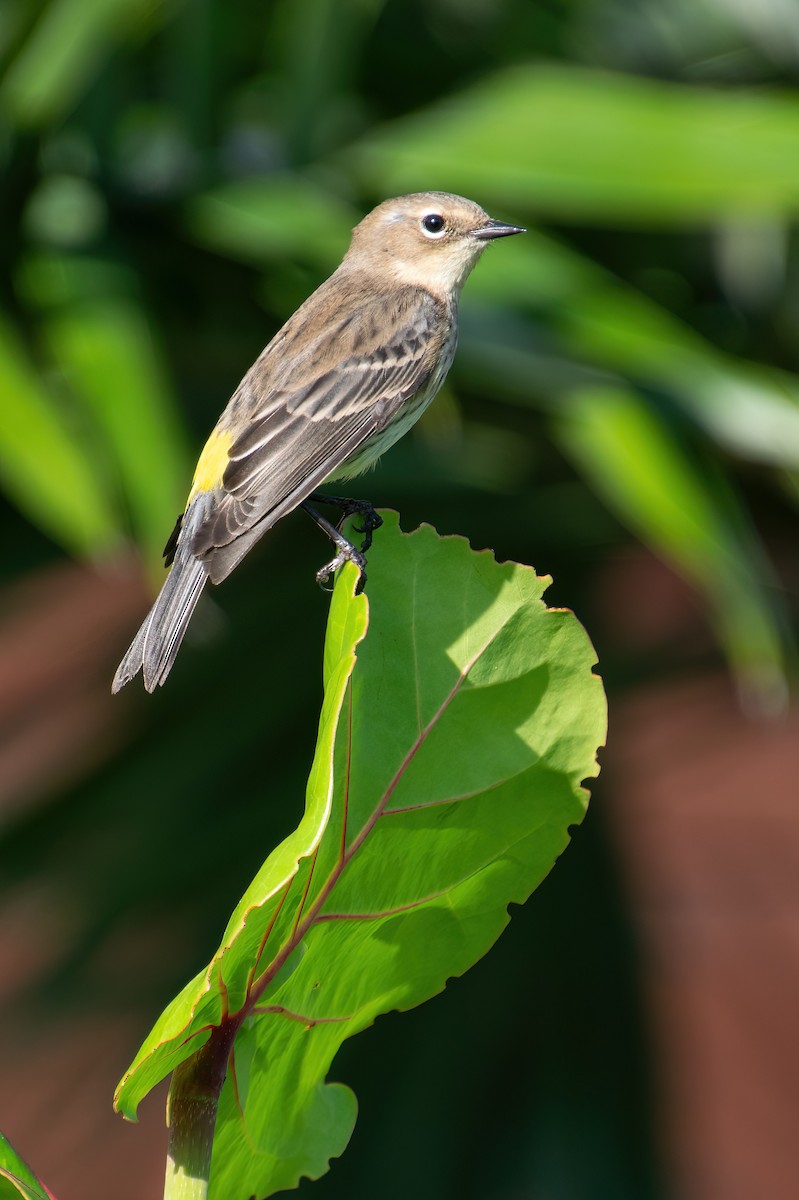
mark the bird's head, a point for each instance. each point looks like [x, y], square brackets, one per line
[427, 239]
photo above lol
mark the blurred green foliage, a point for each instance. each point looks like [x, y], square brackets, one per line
[142, 138]
[178, 176]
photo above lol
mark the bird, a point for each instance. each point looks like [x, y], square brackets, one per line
[347, 375]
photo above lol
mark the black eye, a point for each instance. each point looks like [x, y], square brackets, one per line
[433, 222]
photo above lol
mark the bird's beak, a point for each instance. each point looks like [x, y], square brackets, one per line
[495, 229]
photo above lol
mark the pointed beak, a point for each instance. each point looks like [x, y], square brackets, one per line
[496, 229]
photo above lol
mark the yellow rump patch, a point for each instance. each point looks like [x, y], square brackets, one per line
[212, 464]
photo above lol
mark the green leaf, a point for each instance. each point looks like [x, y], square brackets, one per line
[273, 216]
[599, 324]
[16, 1177]
[44, 462]
[686, 512]
[470, 721]
[66, 47]
[320, 45]
[749, 409]
[203, 1000]
[579, 145]
[108, 357]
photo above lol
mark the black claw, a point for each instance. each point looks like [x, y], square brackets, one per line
[370, 521]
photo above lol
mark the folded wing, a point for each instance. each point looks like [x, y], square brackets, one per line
[311, 408]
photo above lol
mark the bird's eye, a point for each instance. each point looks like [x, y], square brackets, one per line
[433, 224]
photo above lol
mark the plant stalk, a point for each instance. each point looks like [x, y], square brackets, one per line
[191, 1116]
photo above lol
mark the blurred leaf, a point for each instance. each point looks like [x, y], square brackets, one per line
[14, 18]
[538, 270]
[45, 462]
[749, 409]
[752, 257]
[108, 356]
[67, 46]
[463, 740]
[686, 513]
[49, 279]
[16, 1177]
[273, 216]
[578, 145]
[319, 43]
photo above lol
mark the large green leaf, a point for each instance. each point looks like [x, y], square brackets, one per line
[580, 145]
[16, 1177]
[471, 719]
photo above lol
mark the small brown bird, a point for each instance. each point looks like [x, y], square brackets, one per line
[344, 378]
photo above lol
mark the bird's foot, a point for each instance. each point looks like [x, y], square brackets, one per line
[370, 518]
[346, 553]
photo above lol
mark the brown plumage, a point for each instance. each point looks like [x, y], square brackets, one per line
[346, 376]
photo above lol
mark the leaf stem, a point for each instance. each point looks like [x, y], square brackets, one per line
[191, 1115]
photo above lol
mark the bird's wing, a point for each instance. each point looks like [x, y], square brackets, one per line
[310, 408]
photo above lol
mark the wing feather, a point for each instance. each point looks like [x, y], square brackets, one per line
[312, 407]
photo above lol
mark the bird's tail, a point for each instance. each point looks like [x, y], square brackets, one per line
[155, 646]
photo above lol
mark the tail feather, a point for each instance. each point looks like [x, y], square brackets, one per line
[155, 646]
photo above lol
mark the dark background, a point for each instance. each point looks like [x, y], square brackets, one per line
[622, 414]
